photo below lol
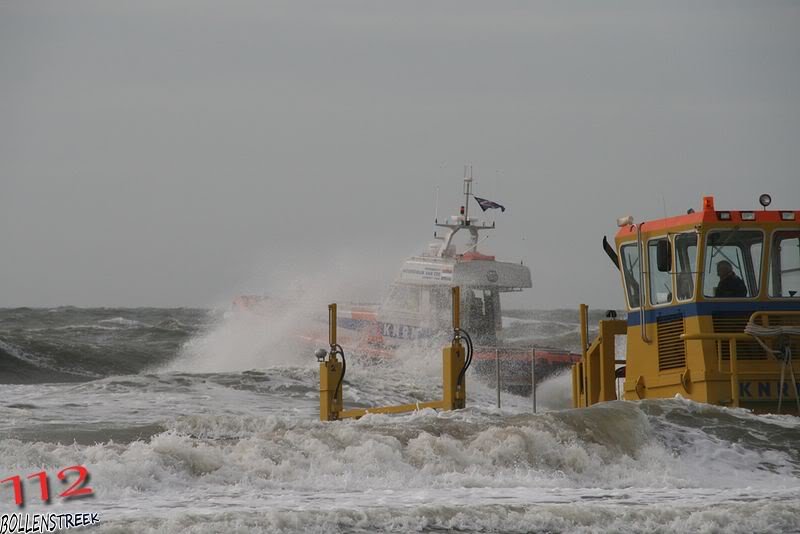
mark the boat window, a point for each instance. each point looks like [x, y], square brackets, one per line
[755, 252]
[660, 282]
[732, 263]
[685, 265]
[630, 271]
[438, 311]
[784, 279]
[441, 299]
[404, 298]
[478, 314]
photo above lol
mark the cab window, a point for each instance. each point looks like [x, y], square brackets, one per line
[732, 263]
[660, 281]
[685, 265]
[630, 271]
[784, 277]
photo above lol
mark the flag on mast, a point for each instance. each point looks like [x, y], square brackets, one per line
[488, 204]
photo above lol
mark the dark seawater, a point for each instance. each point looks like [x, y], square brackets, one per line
[75, 344]
[197, 421]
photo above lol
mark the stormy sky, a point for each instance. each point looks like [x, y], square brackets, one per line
[178, 153]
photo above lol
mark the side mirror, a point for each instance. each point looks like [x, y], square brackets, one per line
[664, 256]
[611, 252]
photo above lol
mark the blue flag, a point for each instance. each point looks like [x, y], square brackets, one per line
[488, 204]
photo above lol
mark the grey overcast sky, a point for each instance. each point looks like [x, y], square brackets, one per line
[177, 153]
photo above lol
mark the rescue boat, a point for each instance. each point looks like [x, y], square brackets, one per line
[713, 301]
[417, 309]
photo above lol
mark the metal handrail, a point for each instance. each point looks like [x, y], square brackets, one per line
[767, 314]
[717, 336]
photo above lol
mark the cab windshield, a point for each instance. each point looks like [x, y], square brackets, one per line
[732, 263]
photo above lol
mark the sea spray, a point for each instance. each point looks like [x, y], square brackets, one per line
[282, 327]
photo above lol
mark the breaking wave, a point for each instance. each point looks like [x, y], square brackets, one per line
[624, 466]
[72, 344]
[175, 447]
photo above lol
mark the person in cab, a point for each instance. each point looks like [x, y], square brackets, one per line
[730, 285]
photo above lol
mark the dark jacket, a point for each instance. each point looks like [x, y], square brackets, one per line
[731, 287]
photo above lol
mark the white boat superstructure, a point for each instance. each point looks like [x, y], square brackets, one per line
[420, 299]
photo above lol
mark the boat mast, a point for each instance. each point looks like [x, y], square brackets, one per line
[462, 221]
[467, 192]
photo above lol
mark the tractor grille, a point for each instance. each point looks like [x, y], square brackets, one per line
[784, 320]
[671, 348]
[725, 323]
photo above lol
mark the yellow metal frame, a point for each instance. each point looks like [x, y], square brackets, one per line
[593, 378]
[331, 405]
[731, 338]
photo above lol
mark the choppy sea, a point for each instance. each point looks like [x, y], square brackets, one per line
[196, 421]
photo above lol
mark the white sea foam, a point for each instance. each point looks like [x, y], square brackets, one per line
[124, 322]
[555, 393]
[403, 514]
[185, 451]
[584, 470]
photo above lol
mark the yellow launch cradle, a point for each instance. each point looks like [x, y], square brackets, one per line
[713, 300]
[332, 367]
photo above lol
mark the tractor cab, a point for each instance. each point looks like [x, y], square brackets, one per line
[713, 300]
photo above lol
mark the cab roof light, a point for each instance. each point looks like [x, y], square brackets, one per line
[787, 215]
[748, 216]
[625, 221]
[724, 215]
[708, 203]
